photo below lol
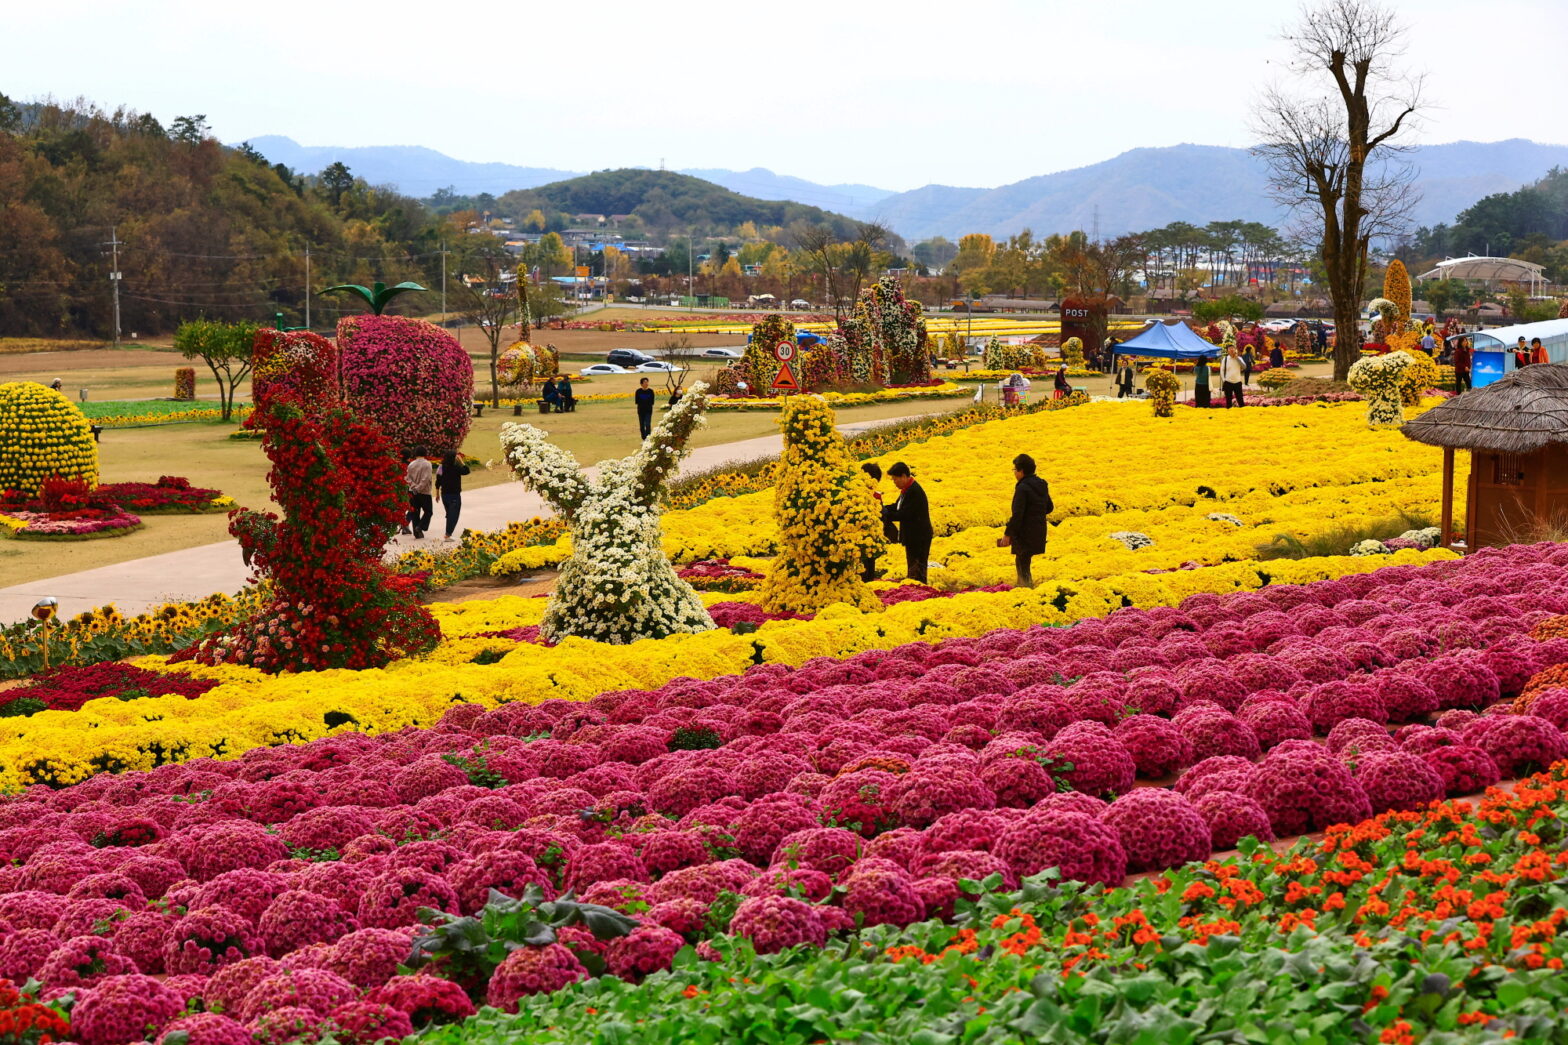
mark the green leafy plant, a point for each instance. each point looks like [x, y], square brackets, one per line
[466, 949]
[694, 738]
[479, 772]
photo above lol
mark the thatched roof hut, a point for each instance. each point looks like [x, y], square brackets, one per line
[1518, 414]
[1516, 430]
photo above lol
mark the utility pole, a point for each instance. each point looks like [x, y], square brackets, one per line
[443, 281]
[691, 287]
[307, 286]
[114, 279]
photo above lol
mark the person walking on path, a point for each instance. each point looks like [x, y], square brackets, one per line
[1026, 526]
[449, 480]
[1462, 365]
[912, 513]
[868, 562]
[1248, 362]
[1200, 382]
[644, 398]
[1232, 373]
[1126, 376]
[420, 477]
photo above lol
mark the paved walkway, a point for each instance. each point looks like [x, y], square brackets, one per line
[194, 573]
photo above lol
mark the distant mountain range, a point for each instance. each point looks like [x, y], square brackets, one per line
[1140, 189]
[1147, 188]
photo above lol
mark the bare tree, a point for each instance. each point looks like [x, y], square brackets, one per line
[864, 255]
[820, 246]
[485, 302]
[1333, 151]
[678, 351]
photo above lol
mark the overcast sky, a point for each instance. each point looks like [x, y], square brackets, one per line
[982, 92]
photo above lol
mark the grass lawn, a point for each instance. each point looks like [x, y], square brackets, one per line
[204, 454]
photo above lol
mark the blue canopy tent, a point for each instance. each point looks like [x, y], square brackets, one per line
[803, 338]
[1173, 341]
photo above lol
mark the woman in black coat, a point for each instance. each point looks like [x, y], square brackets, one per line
[1025, 533]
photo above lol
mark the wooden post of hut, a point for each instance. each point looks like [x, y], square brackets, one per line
[1516, 431]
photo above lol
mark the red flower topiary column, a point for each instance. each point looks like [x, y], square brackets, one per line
[334, 604]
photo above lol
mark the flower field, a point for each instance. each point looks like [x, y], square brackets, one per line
[1280, 470]
[747, 813]
[1181, 789]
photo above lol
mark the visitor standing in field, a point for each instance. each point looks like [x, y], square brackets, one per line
[873, 473]
[449, 480]
[1232, 372]
[1462, 365]
[912, 513]
[1276, 356]
[1248, 361]
[1428, 342]
[1538, 352]
[644, 398]
[420, 479]
[1200, 382]
[1025, 533]
[1126, 375]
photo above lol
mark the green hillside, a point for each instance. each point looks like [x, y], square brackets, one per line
[202, 229]
[664, 203]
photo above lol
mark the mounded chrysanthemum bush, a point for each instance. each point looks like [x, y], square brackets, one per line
[42, 434]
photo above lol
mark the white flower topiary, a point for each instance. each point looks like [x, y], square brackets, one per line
[618, 586]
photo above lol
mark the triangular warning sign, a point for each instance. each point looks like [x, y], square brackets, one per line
[786, 380]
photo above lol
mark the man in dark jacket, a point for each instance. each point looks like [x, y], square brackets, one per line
[644, 398]
[912, 512]
[1126, 377]
[1025, 533]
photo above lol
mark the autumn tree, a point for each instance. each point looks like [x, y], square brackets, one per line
[1333, 146]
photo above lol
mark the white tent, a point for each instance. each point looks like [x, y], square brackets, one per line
[1488, 270]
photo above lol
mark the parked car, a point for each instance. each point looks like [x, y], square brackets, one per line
[722, 353]
[603, 368]
[658, 366]
[627, 357]
[800, 303]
